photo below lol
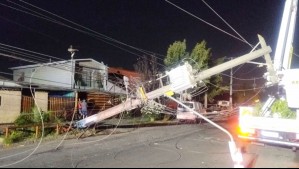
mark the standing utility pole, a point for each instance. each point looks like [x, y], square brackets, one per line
[72, 51]
[231, 89]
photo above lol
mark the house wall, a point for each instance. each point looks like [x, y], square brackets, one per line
[59, 75]
[41, 99]
[10, 106]
[90, 74]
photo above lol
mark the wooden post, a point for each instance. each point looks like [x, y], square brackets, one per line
[6, 132]
[76, 102]
[36, 132]
[57, 129]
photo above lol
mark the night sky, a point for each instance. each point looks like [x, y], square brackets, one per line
[150, 25]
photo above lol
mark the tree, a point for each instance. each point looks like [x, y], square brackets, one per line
[148, 70]
[175, 53]
[200, 59]
[215, 82]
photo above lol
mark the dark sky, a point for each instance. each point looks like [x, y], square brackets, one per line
[150, 25]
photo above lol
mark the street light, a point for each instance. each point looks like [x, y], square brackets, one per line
[72, 51]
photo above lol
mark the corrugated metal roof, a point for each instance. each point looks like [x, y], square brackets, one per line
[93, 62]
[8, 83]
[124, 72]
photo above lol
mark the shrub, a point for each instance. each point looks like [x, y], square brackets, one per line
[38, 114]
[152, 110]
[23, 119]
[33, 117]
[16, 136]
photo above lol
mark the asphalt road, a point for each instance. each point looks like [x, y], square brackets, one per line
[176, 146]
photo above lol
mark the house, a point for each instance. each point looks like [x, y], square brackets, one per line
[116, 76]
[86, 74]
[15, 99]
[54, 86]
[79, 74]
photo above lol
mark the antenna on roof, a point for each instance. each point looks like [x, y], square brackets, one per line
[72, 51]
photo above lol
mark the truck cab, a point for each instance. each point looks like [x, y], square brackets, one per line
[184, 114]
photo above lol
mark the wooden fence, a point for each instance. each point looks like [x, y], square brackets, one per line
[99, 102]
[27, 104]
[61, 107]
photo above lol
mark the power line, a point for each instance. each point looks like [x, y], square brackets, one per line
[96, 33]
[250, 79]
[205, 21]
[91, 33]
[227, 23]
[241, 90]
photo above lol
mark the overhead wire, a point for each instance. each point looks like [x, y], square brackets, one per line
[30, 29]
[93, 34]
[227, 23]
[52, 20]
[237, 78]
[241, 90]
[204, 21]
[82, 31]
[29, 51]
[105, 36]
[243, 39]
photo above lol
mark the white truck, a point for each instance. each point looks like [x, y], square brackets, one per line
[221, 111]
[265, 125]
[184, 114]
[222, 106]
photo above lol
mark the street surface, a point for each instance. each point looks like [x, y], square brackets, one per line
[177, 146]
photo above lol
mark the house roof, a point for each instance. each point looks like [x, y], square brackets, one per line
[91, 63]
[5, 82]
[123, 72]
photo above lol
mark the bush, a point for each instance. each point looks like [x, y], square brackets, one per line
[32, 118]
[152, 110]
[16, 136]
[23, 119]
[37, 115]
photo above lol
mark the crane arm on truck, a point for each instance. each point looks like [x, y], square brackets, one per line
[271, 127]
